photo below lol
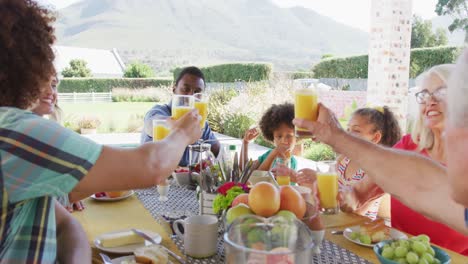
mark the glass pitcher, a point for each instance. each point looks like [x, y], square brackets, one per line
[254, 239]
[203, 168]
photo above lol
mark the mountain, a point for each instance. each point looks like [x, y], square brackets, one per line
[455, 38]
[167, 33]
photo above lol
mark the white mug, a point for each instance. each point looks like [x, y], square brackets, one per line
[200, 235]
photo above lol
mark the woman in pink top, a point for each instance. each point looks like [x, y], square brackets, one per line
[427, 139]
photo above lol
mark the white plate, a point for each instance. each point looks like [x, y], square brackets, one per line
[127, 249]
[107, 199]
[128, 258]
[394, 234]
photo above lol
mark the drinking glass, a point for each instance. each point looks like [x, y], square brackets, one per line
[160, 129]
[305, 106]
[163, 190]
[182, 104]
[327, 182]
[201, 103]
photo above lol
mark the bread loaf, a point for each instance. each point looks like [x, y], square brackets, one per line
[153, 254]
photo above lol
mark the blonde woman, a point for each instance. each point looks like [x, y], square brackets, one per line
[427, 138]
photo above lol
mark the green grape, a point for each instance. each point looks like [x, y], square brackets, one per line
[423, 238]
[388, 253]
[354, 235]
[365, 239]
[427, 256]
[401, 261]
[436, 261]
[401, 251]
[404, 243]
[394, 244]
[386, 246]
[423, 261]
[431, 251]
[412, 258]
[418, 247]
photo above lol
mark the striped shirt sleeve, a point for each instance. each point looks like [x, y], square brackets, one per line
[41, 158]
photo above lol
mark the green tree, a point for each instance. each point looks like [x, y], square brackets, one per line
[326, 56]
[422, 35]
[138, 70]
[458, 10]
[77, 68]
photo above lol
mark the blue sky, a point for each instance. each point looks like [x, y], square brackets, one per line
[354, 13]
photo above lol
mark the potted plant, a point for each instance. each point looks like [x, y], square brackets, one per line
[88, 125]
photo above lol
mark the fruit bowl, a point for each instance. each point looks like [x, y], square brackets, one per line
[439, 254]
[278, 239]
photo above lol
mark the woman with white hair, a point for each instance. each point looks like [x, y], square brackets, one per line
[427, 138]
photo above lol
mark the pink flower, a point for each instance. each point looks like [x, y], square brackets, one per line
[228, 185]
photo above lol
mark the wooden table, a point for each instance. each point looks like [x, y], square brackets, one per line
[102, 217]
[342, 220]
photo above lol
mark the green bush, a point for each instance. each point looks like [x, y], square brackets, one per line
[349, 67]
[357, 66]
[318, 151]
[86, 85]
[134, 98]
[138, 70]
[236, 124]
[302, 75]
[424, 58]
[217, 106]
[250, 72]
[260, 140]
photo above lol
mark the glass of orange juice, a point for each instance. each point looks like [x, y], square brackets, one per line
[305, 106]
[182, 104]
[327, 182]
[160, 129]
[201, 103]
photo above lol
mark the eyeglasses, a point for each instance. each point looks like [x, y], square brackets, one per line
[424, 96]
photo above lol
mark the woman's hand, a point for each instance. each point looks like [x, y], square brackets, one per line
[281, 170]
[250, 135]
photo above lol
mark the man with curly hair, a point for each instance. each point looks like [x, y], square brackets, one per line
[277, 127]
[40, 160]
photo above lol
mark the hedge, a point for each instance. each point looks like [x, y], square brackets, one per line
[356, 66]
[234, 72]
[84, 85]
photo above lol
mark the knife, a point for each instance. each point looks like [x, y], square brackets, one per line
[150, 239]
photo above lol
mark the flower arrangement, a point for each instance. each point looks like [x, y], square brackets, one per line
[226, 194]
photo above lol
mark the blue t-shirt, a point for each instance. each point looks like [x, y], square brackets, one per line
[166, 110]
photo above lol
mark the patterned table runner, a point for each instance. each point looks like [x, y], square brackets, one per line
[183, 202]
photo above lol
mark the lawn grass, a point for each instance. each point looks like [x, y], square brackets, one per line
[114, 117]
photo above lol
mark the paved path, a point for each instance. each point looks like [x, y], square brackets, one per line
[133, 139]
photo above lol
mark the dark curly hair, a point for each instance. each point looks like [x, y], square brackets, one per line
[26, 56]
[385, 122]
[274, 117]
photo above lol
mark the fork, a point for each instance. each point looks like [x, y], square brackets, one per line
[105, 258]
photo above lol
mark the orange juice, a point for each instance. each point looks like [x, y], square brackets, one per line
[160, 132]
[328, 188]
[305, 107]
[203, 111]
[283, 180]
[178, 112]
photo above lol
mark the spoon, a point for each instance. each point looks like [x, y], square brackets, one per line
[105, 258]
[336, 232]
[150, 239]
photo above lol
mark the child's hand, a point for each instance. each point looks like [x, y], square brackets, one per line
[281, 170]
[284, 151]
[306, 177]
[251, 134]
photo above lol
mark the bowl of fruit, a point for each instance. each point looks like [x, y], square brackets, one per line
[277, 239]
[413, 250]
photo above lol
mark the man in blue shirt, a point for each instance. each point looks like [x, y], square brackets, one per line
[190, 81]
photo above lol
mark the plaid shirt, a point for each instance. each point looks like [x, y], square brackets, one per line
[39, 160]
